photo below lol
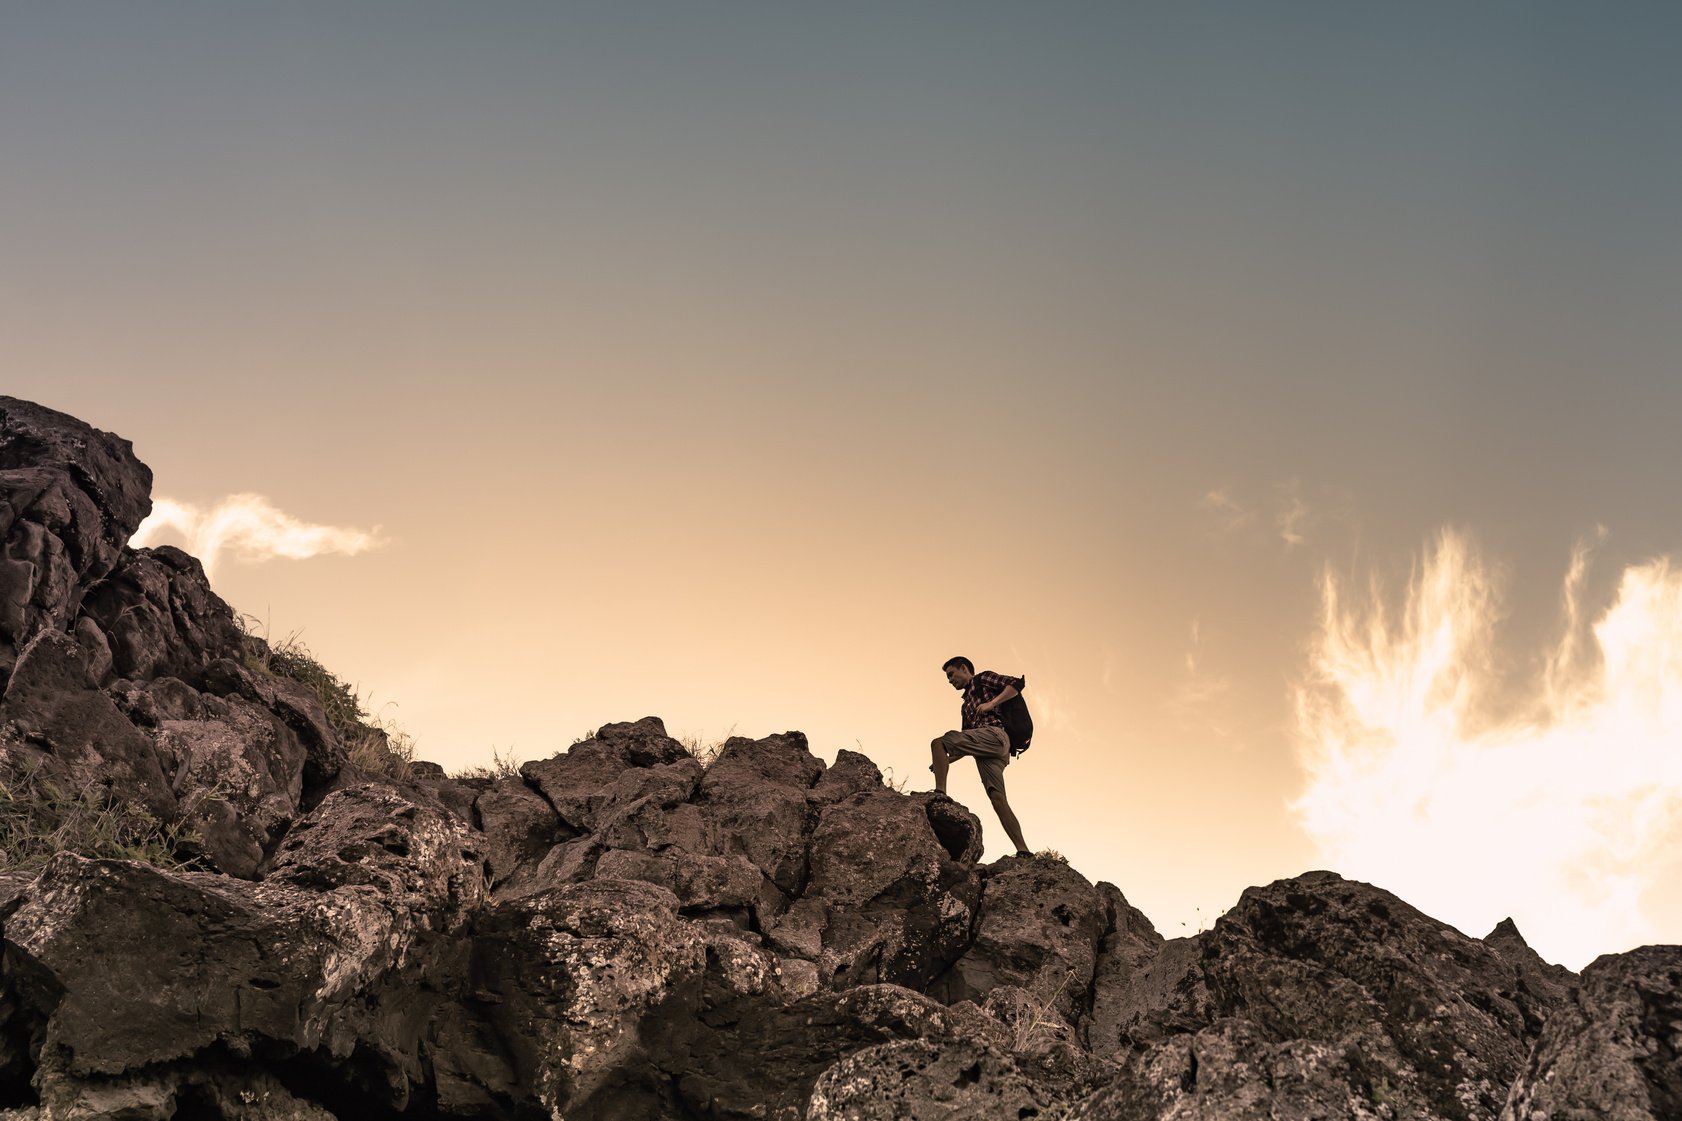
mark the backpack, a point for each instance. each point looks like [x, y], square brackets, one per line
[1019, 726]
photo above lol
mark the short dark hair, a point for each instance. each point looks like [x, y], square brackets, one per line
[965, 662]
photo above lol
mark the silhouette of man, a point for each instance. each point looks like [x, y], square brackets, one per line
[983, 736]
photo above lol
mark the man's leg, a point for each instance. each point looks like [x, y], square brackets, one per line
[1013, 829]
[940, 763]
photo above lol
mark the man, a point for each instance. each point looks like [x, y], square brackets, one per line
[983, 736]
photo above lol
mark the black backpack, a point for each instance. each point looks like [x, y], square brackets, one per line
[1019, 726]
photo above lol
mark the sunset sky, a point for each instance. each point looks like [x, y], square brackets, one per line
[1289, 390]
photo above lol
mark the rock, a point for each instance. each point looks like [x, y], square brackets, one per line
[239, 779]
[753, 798]
[919, 1080]
[70, 498]
[158, 616]
[1613, 1050]
[51, 703]
[1129, 942]
[295, 703]
[1228, 1070]
[743, 1058]
[142, 978]
[1437, 1019]
[572, 972]
[520, 827]
[1549, 985]
[852, 773]
[371, 836]
[583, 780]
[699, 881]
[897, 907]
[1039, 930]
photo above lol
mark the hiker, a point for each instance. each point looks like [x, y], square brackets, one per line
[983, 736]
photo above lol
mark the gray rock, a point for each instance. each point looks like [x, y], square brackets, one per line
[1129, 942]
[754, 800]
[1437, 1019]
[1613, 1050]
[520, 827]
[921, 1080]
[582, 780]
[158, 617]
[1040, 927]
[70, 498]
[52, 704]
[896, 906]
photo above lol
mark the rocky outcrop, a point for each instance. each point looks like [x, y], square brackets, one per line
[70, 498]
[626, 931]
[1333, 985]
[1613, 1050]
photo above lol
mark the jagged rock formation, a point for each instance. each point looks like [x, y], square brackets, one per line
[626, 931]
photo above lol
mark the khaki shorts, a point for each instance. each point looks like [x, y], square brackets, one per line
[991, 748]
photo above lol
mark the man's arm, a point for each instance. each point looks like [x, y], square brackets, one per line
[1000, 698]
[1004, 689]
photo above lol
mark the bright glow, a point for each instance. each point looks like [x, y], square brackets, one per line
[251, 528]
[1557, 815]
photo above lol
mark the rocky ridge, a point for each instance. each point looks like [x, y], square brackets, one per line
[624, 931]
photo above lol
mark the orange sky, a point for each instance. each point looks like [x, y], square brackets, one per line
[740, 366]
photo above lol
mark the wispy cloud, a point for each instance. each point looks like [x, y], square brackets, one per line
[1201, 699]
[1558, 816]
[1291, 517]
[1286, 511]
[1232, 515]
[250, 528]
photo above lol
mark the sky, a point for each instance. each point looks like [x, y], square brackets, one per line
[1287, 390]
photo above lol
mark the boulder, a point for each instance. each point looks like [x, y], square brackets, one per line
[1613, 1049]
[570, 975]
[70, 498]
[51, 703]
[238, 773]
[519, 827]
[409, 854]
[1437, 1020]
[1230, 1070]
[754, 801]
[1129, 942]
[157, 616]
[583, 779]
[958, 1079]
[144, 980]
[895, 906]
[1039, 929]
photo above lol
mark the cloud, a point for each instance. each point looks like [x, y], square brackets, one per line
[1561, 815]
[1287, 512]
[1290, 516]
[249, 527]
[1233, 516]
[1202, 700]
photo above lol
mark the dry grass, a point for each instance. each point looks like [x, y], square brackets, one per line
[39, 819]
[502, 765]
[375, 744]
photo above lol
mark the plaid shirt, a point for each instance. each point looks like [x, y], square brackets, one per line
[982, 688]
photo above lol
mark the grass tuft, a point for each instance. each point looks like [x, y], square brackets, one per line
[706, 752]
[502, 765]
[39, 819]
[375, 744]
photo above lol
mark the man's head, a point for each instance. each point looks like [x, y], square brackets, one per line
[959, 671]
